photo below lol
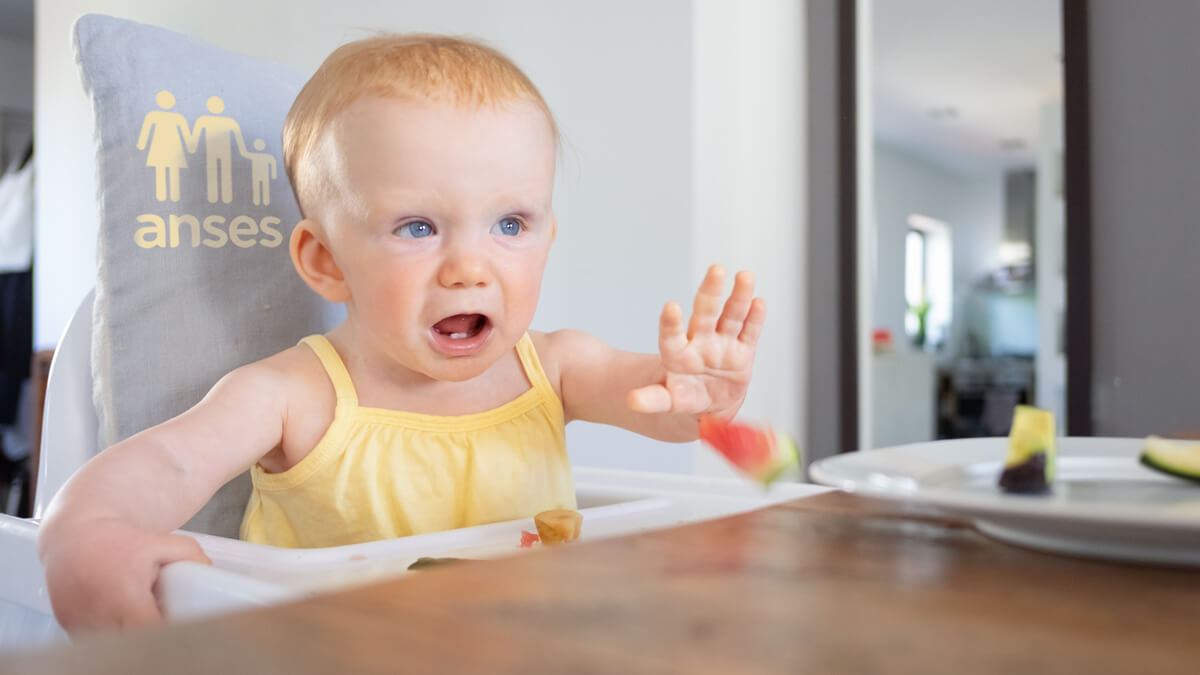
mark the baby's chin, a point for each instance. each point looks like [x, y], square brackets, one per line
[460, 370]
[466, 368]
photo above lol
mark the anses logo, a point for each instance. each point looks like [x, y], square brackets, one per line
[167, 140]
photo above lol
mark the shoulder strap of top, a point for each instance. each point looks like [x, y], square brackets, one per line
[334, 367]
[533, 367]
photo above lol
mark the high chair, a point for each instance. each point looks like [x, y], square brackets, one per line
[245, 575]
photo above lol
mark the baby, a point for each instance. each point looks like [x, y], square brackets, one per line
[424, 169]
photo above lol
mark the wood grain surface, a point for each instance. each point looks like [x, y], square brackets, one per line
[828, 584]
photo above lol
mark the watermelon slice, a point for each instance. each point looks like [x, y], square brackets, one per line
[528, 539]
[760, 453]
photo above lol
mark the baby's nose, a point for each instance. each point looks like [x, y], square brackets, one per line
[463, 271]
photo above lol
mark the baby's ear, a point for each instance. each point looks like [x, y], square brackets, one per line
[315, 264]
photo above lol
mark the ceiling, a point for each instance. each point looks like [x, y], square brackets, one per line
[16, 20]
[993, 62]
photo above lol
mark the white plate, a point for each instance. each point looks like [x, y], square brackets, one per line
[1103, 504]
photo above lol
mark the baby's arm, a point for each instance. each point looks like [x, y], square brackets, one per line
[703, 371]
[108, 532]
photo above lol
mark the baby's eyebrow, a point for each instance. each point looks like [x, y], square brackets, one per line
[401, 204]
[526, 206]
[404, 203]
[524, 212]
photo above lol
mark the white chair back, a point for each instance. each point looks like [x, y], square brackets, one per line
[69, 425]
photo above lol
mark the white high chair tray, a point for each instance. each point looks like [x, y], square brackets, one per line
[612, 503]
[1103, 503]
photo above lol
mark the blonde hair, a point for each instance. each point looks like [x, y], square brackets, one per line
[407, 67]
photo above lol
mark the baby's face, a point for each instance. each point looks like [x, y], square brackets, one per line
[447, 227]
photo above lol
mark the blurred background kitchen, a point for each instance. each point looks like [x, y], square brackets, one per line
[966, 239]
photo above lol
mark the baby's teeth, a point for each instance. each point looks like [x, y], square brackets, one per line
[457, 336]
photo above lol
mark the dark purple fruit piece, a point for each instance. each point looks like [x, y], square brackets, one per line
[1028, 477]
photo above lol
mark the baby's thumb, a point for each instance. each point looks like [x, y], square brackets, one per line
[175, 548]
[178, 547]
[653, 398]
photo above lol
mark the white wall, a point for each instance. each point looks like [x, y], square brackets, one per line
[973, 206]
[865, 240]
[625, 80]
[749, 197]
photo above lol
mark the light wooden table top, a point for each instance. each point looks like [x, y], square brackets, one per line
[829, 584]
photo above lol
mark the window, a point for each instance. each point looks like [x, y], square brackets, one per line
[915, 291]
[928, 276]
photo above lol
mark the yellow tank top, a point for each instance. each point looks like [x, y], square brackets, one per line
[380, 474]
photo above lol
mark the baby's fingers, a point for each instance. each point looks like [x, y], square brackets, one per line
[707, 303]
[671, 338]
[738, 305]
[177, 547]
[752, 328]
[653, 398]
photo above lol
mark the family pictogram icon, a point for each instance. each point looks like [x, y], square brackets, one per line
[171, 140]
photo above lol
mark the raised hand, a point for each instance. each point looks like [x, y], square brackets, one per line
[706, 370]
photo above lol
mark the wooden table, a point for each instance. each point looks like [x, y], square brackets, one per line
[829, 584]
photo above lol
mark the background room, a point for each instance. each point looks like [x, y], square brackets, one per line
[966, 235]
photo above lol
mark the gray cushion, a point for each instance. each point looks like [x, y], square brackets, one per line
[194, 277]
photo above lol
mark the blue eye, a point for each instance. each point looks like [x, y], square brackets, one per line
[415, 230]
[509, 227]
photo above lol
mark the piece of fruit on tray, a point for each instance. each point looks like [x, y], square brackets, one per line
[761, 453]
[1029, 466]
[1178, 458]
[558, 526]
[425, 562]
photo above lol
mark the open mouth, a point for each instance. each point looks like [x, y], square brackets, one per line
[461, 334]
[461, 326]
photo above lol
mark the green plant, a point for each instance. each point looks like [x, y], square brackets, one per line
[921, 311]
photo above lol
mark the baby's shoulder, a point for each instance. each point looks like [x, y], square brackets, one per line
[297, 381]
[563, 343]
[558, 349]
[299, 370]
[292, 375]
